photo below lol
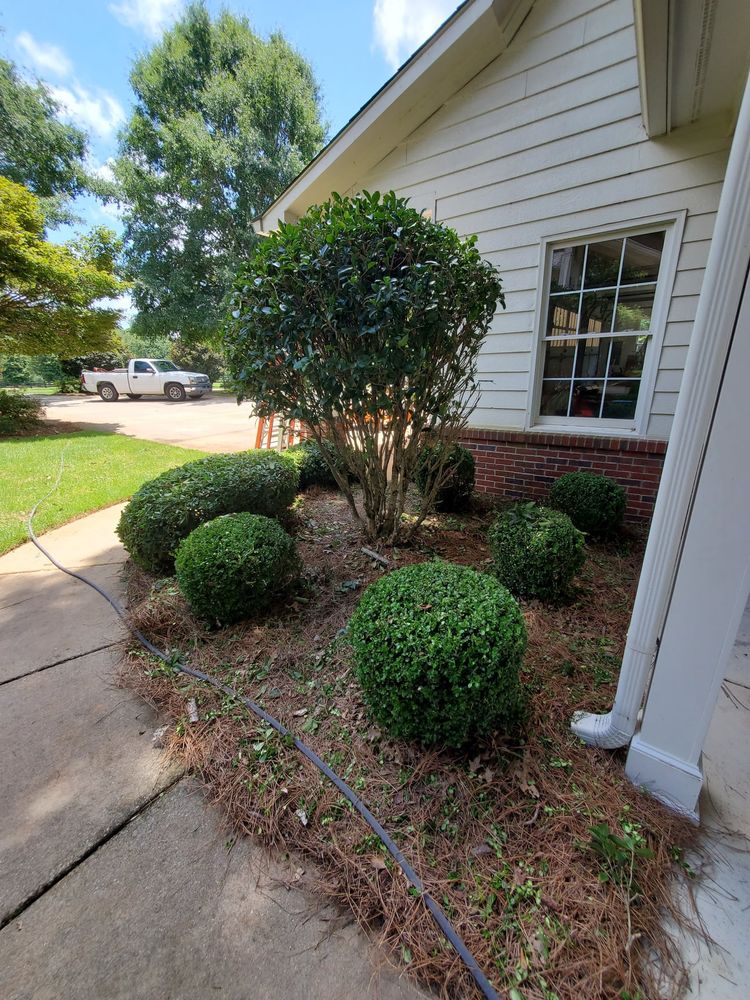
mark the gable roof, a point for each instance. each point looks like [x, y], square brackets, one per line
[475, 34]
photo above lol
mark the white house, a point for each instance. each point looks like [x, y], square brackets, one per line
[600, 150]
[591, 175]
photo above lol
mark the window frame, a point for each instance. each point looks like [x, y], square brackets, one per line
[674, 225]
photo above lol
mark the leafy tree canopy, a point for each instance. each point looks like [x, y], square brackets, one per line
[223, 121]
[365, 321]
[40, 151]
[48, 291]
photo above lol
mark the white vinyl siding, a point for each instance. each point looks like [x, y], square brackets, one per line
[546, 142]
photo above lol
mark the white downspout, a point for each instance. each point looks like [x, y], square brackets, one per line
[714, 321]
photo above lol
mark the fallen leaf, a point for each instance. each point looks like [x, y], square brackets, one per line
[299, 713]
[378, 863]
[481, 850]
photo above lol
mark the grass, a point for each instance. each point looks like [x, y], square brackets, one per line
[33, 390]
[100, 469]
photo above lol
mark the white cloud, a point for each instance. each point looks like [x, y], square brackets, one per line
[46, 57]
[102, 114]
[400, 26]
[149, 16]
[103, 170]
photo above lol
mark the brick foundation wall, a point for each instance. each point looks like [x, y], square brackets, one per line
[523, 464]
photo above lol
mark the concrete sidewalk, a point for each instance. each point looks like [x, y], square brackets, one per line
[117, 880]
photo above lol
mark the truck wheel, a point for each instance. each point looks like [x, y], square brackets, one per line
[134, 395]
[108, 392]
[175, 392]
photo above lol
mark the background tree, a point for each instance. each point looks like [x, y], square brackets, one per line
[365, 321]
[40, 151]
[198, 358]
[48, 292]
[223, 121]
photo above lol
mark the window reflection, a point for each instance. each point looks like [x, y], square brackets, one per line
[601, 300]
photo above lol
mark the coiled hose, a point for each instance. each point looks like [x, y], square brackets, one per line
[437, 913]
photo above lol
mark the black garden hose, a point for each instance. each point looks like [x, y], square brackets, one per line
[437, 913]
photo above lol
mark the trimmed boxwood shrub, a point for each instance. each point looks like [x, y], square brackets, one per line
[595, 504]
[437, 649]
[313, 470]
[232, 567]
[166, 509]
[455, 492]
[536, 551]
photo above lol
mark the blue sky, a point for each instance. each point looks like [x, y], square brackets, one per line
[83, 50]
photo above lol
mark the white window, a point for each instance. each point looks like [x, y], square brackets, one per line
[598, 322]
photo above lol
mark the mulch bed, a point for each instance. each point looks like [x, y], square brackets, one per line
[501, 835]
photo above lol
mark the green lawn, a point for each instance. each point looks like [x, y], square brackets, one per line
[33, 390]
[100, 469]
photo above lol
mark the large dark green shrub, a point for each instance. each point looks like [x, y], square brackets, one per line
[449, 469]
[437, 650]
[536, 551]
[19, 413]
[364, 320]
[313, 468]
[166, 509]
[595, 504]
[232, 567]
[72, 367]
[198, 358]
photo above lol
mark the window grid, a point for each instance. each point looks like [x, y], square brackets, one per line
[581, 337]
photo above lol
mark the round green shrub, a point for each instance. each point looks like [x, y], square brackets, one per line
[437, 649]
[313, 468]
[455, 492]
[595, 504]
[536, 551]
[232, 567]
[166, 509]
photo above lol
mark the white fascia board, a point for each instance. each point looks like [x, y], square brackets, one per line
[652, 32]
[476, 34]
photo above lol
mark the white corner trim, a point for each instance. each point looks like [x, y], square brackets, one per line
[720, 297]
[674, 782]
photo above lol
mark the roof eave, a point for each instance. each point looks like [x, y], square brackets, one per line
[471, 38]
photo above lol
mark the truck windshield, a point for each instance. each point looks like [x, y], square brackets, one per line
[165, 366]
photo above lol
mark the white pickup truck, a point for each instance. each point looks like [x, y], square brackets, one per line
[146, 377]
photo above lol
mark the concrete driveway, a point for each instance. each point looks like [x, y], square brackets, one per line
[214, 423]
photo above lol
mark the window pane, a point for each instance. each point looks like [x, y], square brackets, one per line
[555, 394]
[642, 257]
[620, 399]
[558, 362]
[567, 269]
[626, 359]
[591, 360]
[634, 307]
[562, 316]
[596, 312]
[603, 264]
[587, 396]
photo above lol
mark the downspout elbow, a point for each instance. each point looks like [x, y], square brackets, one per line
[617, 727]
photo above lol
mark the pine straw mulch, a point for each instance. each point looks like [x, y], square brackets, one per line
[501, 836]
